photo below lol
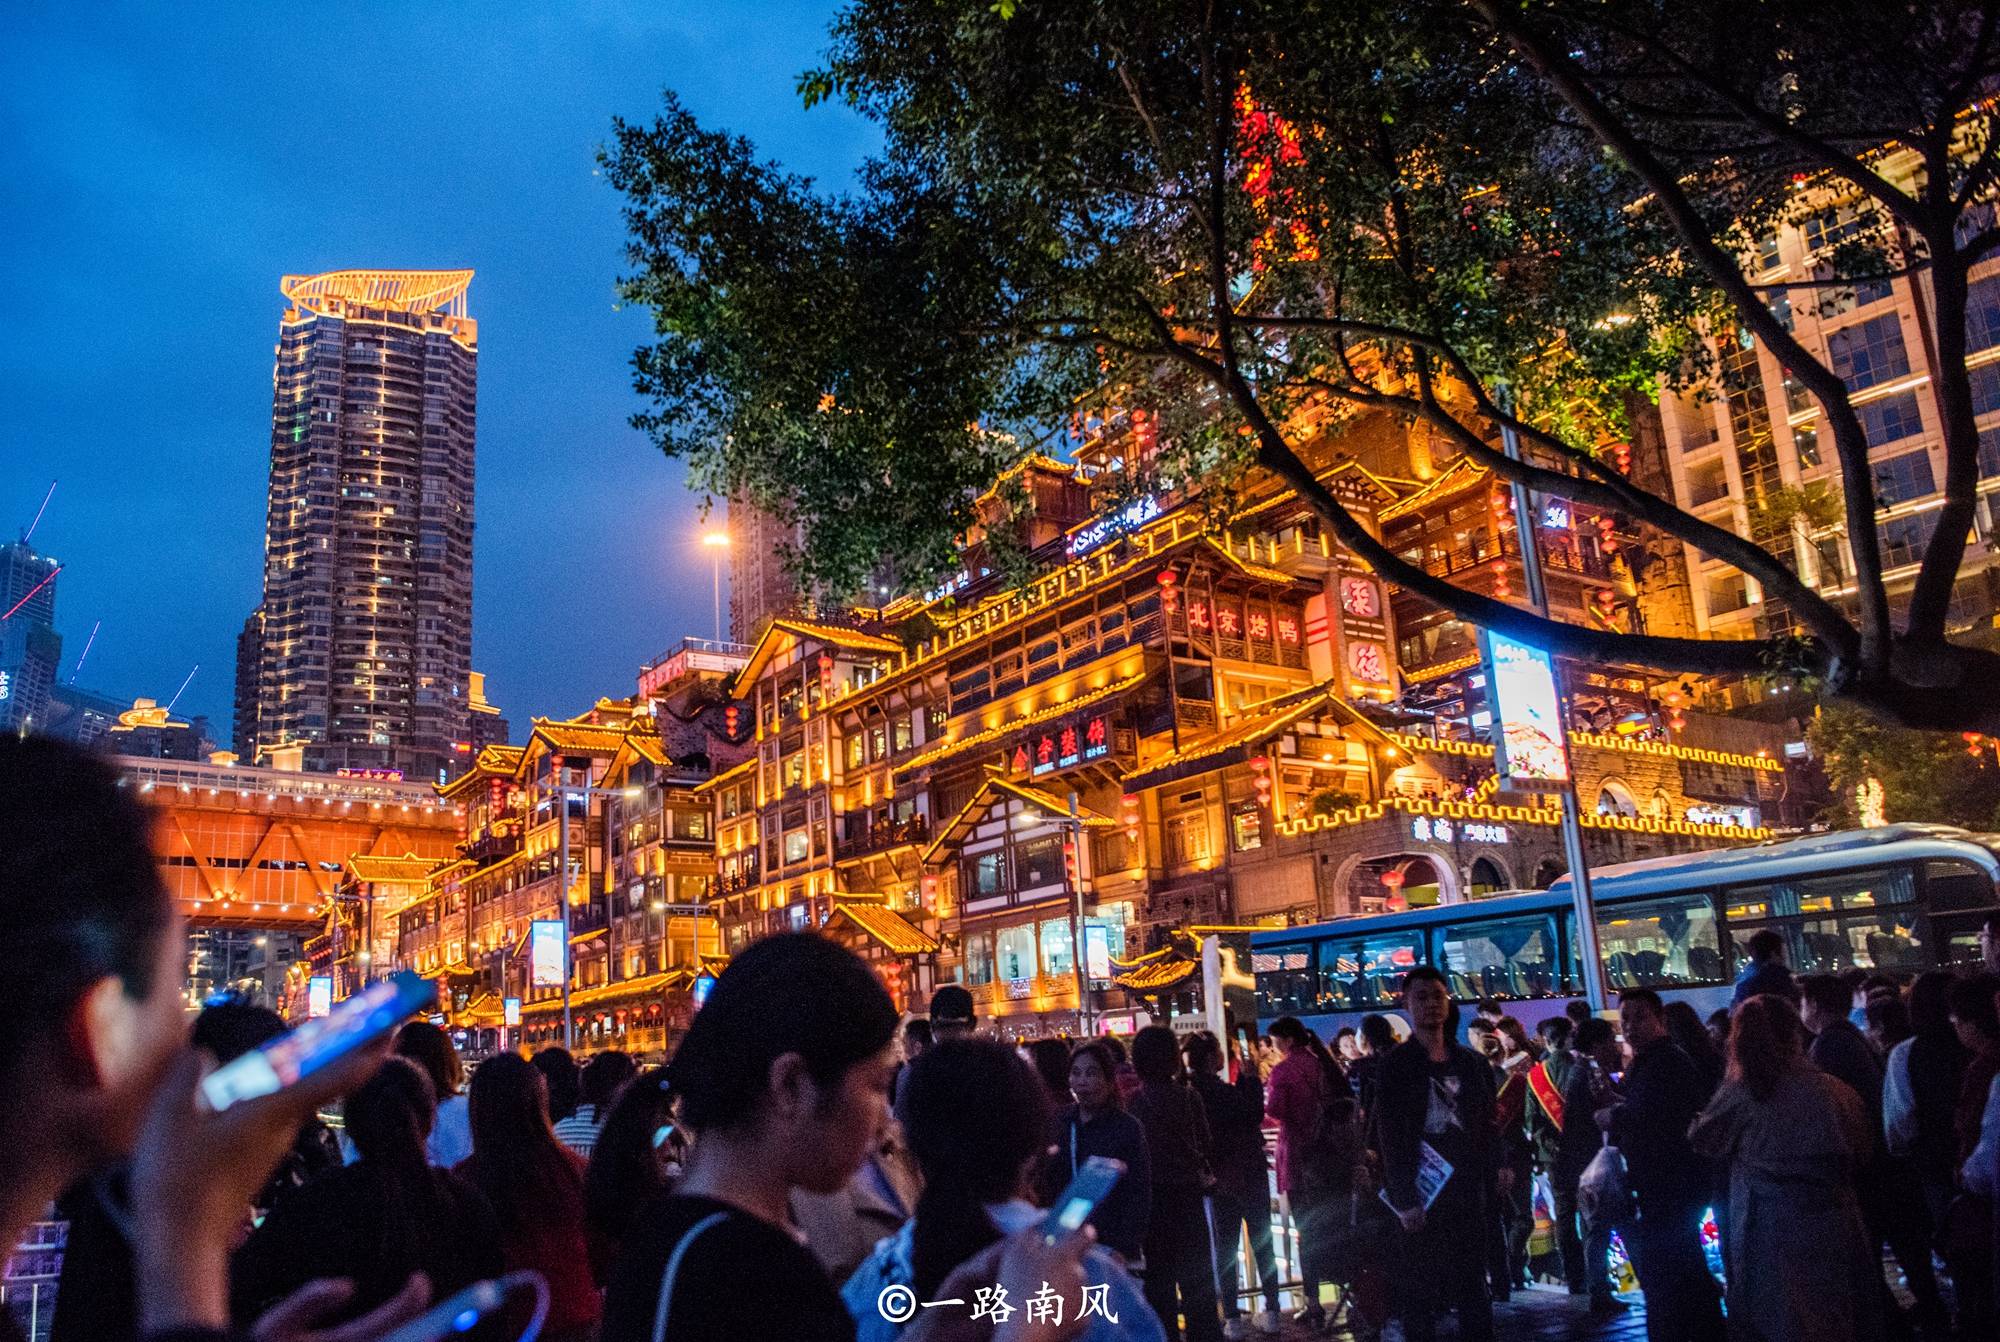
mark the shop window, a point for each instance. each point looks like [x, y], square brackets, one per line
[1246, 826]
[986, 875]
[1188, 839]
[1058, 947]
[978, 958]
[1016, 955]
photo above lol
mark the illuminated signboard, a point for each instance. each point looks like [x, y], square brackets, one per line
[510, 1011]
[547, 956]
[704, 984]
[1426, 830]
[1097, 950]
[319, 996]
[1710, 813]
[385, 775]
[1528, 737]
[1064, 747]
[1555, 514]
[1128, 518]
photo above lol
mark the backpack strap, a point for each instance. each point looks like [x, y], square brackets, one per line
[673, 1270]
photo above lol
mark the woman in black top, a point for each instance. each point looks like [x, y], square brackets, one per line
[377, 1221]
[1097, 1125]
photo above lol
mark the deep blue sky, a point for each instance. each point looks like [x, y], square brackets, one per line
[162, 165]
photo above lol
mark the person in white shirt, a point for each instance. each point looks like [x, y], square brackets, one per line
[429, 1047]
[603, 1077]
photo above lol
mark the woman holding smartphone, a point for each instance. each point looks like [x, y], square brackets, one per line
[784, 1081]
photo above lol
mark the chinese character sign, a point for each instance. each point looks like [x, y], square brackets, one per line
[1527, 716]
[547, 956]
[1368, 663]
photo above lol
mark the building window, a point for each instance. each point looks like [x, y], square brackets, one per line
[1868, 352]
[1903, 478]
[901, 735]
[986, 875]
[1985, 381]
[1727, 594]
[1246, 826]
[1989, 453]
[1707, 483]
[1904, 539]
[1187, 839]
[978, 958]
[1038, 862]
[1891, 419]
[1805, 442]
[1058, 947]
[1016, 957]
[1982, 314]
[797, 845]
[855, 755]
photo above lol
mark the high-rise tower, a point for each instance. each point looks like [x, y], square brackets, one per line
[30, 648]
[366, 641]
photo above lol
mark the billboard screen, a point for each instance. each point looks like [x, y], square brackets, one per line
[510, 1011]
[319, 996]
[547, 956]
[1527, 716]
[1097, 950]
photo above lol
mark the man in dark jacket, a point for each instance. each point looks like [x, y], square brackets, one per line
[1180, 1270]
[1242, 1174]
[1662, 1094]
[1587, 1088]
[1765, 972]
[1435, 1102]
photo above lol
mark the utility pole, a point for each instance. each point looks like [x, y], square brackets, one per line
[1079, 950]
[1595, 989]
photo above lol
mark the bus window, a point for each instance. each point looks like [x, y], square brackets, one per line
[1858, 890]
[1956, 940]
[1500, 957]
[1886, 940]
[1958, 885]
[1660, 943]
[1286, 984]
[1358, 975]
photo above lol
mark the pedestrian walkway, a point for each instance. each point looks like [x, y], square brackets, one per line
[1539, 1314]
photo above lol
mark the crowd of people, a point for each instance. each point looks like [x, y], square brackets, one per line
[811, 1166]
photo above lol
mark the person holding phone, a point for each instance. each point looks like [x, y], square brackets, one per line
[783, 1078]
[95, 1062]
[974, 1114]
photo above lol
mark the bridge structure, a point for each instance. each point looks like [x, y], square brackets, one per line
[247, 847]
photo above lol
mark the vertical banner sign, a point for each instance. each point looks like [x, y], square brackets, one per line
[319, 996]
[1530, 750]
[547, 955]
[510, 1011]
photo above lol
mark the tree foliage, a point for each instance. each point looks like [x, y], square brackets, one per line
[1215, 220]
[1925, 776]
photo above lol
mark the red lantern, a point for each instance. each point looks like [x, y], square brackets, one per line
[1128, 807]
[1392, 881]
[730, 716]
[1071, 868]
[1261, 769]
[826, 674]
[1170, 598]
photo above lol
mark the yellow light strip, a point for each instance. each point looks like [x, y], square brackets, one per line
[1597, 741]
[1513, 815]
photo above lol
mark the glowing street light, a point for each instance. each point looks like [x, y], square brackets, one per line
[716, 542]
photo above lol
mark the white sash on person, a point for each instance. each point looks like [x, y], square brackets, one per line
[674, 1267]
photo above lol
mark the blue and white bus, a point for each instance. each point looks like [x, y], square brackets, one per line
[1901, 898]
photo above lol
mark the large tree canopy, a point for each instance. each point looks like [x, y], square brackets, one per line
[1211, 219]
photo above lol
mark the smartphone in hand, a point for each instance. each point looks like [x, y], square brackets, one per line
[1090, 1186]
[356, 1023]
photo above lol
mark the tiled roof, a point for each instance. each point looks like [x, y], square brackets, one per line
[1461, 475]
[1155, 975]
[380, 867]
[732, 772]
[585, 736]
[991, 734]
[788, 627]
[1227, 746]
[996, 784]
[888, 927]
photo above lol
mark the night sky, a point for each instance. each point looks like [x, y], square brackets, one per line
[161, 166]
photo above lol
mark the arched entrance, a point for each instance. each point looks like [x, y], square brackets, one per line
[1547, 870]
[1486, 877]
[1402, 881]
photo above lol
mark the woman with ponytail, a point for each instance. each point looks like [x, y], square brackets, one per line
[975, 1116]
[388, 1216]
[1301, 1089]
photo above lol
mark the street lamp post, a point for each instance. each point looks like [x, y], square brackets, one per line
[563, 792]
[717, 542]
